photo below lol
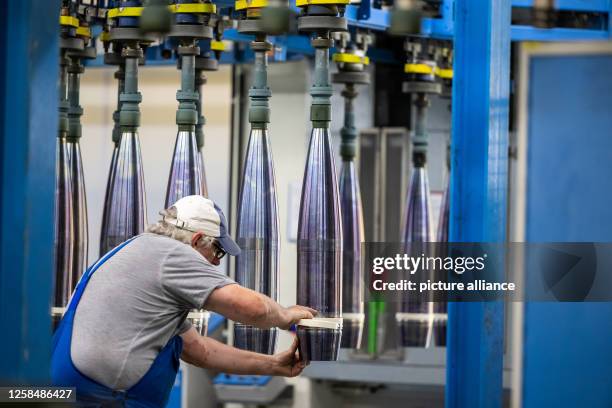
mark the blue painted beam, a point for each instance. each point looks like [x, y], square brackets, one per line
[527, 33]
[29, 68]
[443, 27]
[578, 5]
[479, 180]
[580, 197]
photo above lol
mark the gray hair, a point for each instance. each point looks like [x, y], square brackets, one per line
[172, 231]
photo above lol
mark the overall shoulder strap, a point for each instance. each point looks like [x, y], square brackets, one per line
[78, 291]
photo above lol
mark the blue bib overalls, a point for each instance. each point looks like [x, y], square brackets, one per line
[152, 390]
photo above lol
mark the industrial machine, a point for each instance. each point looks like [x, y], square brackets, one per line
[408, 59]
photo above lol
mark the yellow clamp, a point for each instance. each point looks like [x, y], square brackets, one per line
[250, 4]
[83, 32]
[444, 73]
[195, 8]
[302, 3]
[104, 36]
[125, 12]
[217, 45]
[253, 13]
[69, 21]
[419, 69]
[531, 45]
[350, 58]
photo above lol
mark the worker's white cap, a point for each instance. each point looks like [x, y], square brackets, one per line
[195, 213]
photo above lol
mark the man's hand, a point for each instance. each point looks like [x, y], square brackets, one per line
[249, 307]
[288, 363]
[206, 352]
[292, 315]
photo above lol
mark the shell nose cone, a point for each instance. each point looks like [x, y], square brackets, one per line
[257, 235]
[204, 184]
[320, 247]
[352, 236]
[414, 312]
[79, 210]
[185, 176]
[440, 308]
[63, 243]
[125, 206]
[418, 226]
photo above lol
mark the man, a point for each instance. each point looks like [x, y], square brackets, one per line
[125, 328]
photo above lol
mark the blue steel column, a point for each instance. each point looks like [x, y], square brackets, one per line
[29, 33]
[479, 178]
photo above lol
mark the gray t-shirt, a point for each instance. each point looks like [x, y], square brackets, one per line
[134, 304]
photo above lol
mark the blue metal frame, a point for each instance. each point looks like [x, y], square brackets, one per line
[527, 33]
[478, 192]
[580, 195]
[444, 27]
[578, 5]
[29, 61]
[440, 27]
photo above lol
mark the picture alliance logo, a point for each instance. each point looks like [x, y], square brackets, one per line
[413, 264]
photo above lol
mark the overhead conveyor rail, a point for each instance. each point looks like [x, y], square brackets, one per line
[436, 22]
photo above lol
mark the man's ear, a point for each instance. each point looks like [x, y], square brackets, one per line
[196, 237]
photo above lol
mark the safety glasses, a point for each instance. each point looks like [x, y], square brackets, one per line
[218, 251]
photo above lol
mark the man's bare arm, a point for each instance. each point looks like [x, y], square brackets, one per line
[249, 307]
[208, 353]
